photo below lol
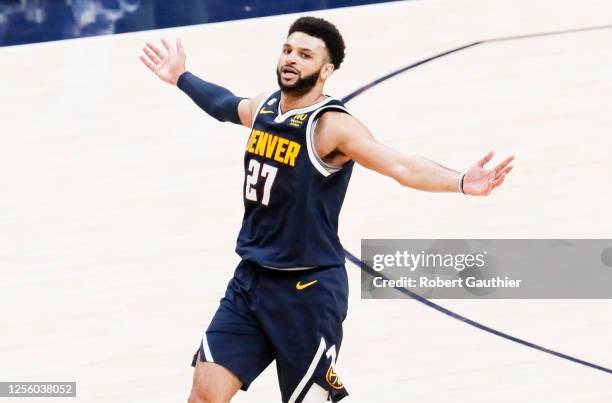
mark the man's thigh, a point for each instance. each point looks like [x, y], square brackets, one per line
[213, 383]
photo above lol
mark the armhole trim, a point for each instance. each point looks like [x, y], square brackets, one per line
[324, 168]
[261, 104]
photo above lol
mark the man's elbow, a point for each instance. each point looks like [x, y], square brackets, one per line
[403, 175]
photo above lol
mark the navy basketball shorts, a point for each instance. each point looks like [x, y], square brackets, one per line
[293, 317]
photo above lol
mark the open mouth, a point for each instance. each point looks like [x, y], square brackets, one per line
[288, 73]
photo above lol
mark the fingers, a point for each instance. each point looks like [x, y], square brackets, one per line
[492, 179]
[504, 171]
[151, 56]
[155, 50]
[150, 65]
[179, 47]
[490, 186]
[167, 46]
[486, 159]
[498, 181]
[504, 163]
[501, 177]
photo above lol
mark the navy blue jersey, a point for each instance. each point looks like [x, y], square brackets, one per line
[292, 199]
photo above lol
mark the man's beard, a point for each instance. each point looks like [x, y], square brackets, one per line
[301, 86]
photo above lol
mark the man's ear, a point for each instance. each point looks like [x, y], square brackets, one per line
[327, 71]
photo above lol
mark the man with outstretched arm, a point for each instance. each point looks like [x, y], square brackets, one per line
[288, 297]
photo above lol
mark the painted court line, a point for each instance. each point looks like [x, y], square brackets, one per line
[417, 297]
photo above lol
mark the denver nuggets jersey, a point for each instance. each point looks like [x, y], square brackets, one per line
[292, 199]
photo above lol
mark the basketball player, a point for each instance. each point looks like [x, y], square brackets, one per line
[288, 297]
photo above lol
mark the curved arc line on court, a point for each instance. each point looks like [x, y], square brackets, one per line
[366, 87]
[471, 322]
[417, 297]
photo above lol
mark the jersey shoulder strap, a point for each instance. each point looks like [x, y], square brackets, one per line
[325, 169]
[268, 104]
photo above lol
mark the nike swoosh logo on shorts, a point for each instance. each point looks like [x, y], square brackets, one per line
[299, 286]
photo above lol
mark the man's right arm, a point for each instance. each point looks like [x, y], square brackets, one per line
[215, 100]
[218, 102]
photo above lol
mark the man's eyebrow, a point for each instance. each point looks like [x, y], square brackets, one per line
[287, 45]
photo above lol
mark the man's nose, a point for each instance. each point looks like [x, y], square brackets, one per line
[291, 58]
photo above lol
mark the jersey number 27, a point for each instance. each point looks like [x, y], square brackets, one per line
[257, 171]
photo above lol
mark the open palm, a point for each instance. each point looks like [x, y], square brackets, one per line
[479, 181]
[167, 66]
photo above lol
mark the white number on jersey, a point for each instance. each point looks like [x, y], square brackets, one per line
[268, 172]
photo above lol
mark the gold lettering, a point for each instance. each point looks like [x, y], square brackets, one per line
[260, 148]
[274, 147]
[252, 140]
[280, 149]
[271, 144]
[292, 152]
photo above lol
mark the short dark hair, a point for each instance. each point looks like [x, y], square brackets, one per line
[324, 30]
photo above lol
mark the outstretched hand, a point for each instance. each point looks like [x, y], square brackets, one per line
[168, 66]
[479, 181]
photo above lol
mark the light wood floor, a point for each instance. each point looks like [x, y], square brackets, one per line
[120, 202]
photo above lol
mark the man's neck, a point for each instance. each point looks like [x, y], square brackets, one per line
[289, 101]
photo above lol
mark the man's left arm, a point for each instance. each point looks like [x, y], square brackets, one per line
[355, 141]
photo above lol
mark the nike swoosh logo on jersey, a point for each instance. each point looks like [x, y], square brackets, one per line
[299, 286]
[264, 111]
